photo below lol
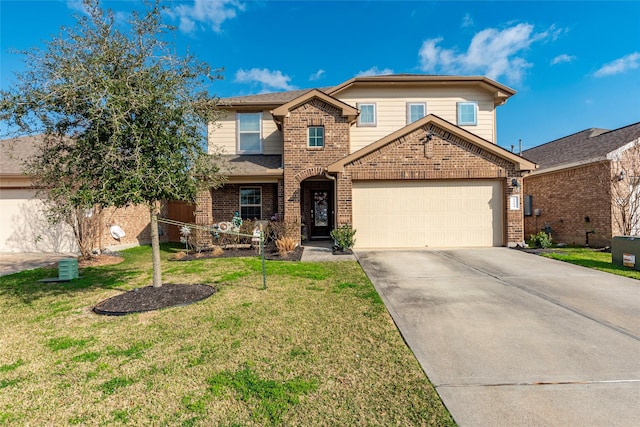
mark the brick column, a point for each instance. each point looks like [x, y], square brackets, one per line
[203, 216]
[344, 213]
[514, 218]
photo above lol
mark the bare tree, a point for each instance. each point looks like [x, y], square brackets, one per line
[625, 190]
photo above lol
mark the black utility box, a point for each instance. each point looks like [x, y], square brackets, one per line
[625, 250]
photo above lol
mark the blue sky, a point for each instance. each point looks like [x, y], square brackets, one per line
[574, 64]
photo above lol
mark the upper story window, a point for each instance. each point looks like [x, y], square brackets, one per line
[249, 132]
[416, 111]
[316, 137]
[367, 115]
[467, 113]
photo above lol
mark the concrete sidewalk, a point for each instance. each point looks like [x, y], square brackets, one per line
[320, 251]
[15, 262]
[514, 339]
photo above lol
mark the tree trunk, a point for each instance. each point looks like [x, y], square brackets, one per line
[155, 246]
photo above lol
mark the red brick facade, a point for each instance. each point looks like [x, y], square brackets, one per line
[300, 160]
[442, 156]
[572, 202]
[226, 201]
[134, 221]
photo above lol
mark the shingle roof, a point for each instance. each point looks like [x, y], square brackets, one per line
[254, 164]
[14, 152]
[274, 99]
[587, 146]
[278, 98]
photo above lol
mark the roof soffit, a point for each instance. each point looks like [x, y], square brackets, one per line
[499, 92]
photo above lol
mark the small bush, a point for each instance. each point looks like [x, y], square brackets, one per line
[344, 236]
[541, 240]
[285, 245]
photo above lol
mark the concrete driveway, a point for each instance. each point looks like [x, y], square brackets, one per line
[514, 339]
[14, 262]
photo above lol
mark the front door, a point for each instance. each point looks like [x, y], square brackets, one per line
[321, 213]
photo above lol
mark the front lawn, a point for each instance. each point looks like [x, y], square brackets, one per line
[316, 348]
[591, 258]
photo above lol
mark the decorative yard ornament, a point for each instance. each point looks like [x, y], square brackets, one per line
[185, 233]
[236, 221]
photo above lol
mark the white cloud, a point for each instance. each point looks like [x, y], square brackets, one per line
[317, 75]
[205, 13]
[374, 71]
[270, 80]
[467, 21]
[620, 65]
[492, 52]
[562, 58]
[77, 5]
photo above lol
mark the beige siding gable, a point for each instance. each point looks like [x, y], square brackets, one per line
[391, 109]
[223, 134]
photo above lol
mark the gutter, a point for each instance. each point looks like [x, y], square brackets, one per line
[564, 166]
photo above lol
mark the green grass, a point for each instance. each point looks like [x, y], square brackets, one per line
[591, 258]
[317, 347]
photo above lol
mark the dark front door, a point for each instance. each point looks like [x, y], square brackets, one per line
[321, 213]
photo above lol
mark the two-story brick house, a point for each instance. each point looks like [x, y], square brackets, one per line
[407, 160]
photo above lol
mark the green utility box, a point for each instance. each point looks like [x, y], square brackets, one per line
[68, 269]
[625, 251]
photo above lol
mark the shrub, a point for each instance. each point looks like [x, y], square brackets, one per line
[285, 245]
[343, 236]
[541, 240]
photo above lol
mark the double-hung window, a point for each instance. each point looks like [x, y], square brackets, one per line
[316, 137]
[367, 115]
[416, 111]
[249, 133]
[251, 202]
[467, 113]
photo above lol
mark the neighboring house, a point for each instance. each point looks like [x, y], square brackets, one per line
[407, 160]
[586, 188]
[23, 223]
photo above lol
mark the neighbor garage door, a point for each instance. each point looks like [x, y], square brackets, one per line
[418, 214]
[24, 226]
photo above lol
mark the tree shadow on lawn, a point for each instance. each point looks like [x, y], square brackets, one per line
[26, 286]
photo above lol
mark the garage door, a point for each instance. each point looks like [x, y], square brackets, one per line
[24, 226]
[418, 214]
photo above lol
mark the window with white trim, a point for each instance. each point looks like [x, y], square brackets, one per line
[316, 137]
[250, 202]
[416, 111]
[249, 133]
[467, 113]
[367, 115]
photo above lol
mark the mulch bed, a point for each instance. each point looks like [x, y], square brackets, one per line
[270, 253]
[150, 298]
[171, 295]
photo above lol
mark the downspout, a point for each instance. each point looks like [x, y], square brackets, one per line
[335, 197]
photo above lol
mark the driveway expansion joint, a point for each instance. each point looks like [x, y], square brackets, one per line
[538, 383]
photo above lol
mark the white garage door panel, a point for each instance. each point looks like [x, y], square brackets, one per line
[389, 214]
[24, 226]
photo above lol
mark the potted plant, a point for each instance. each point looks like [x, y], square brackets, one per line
[343, 239]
